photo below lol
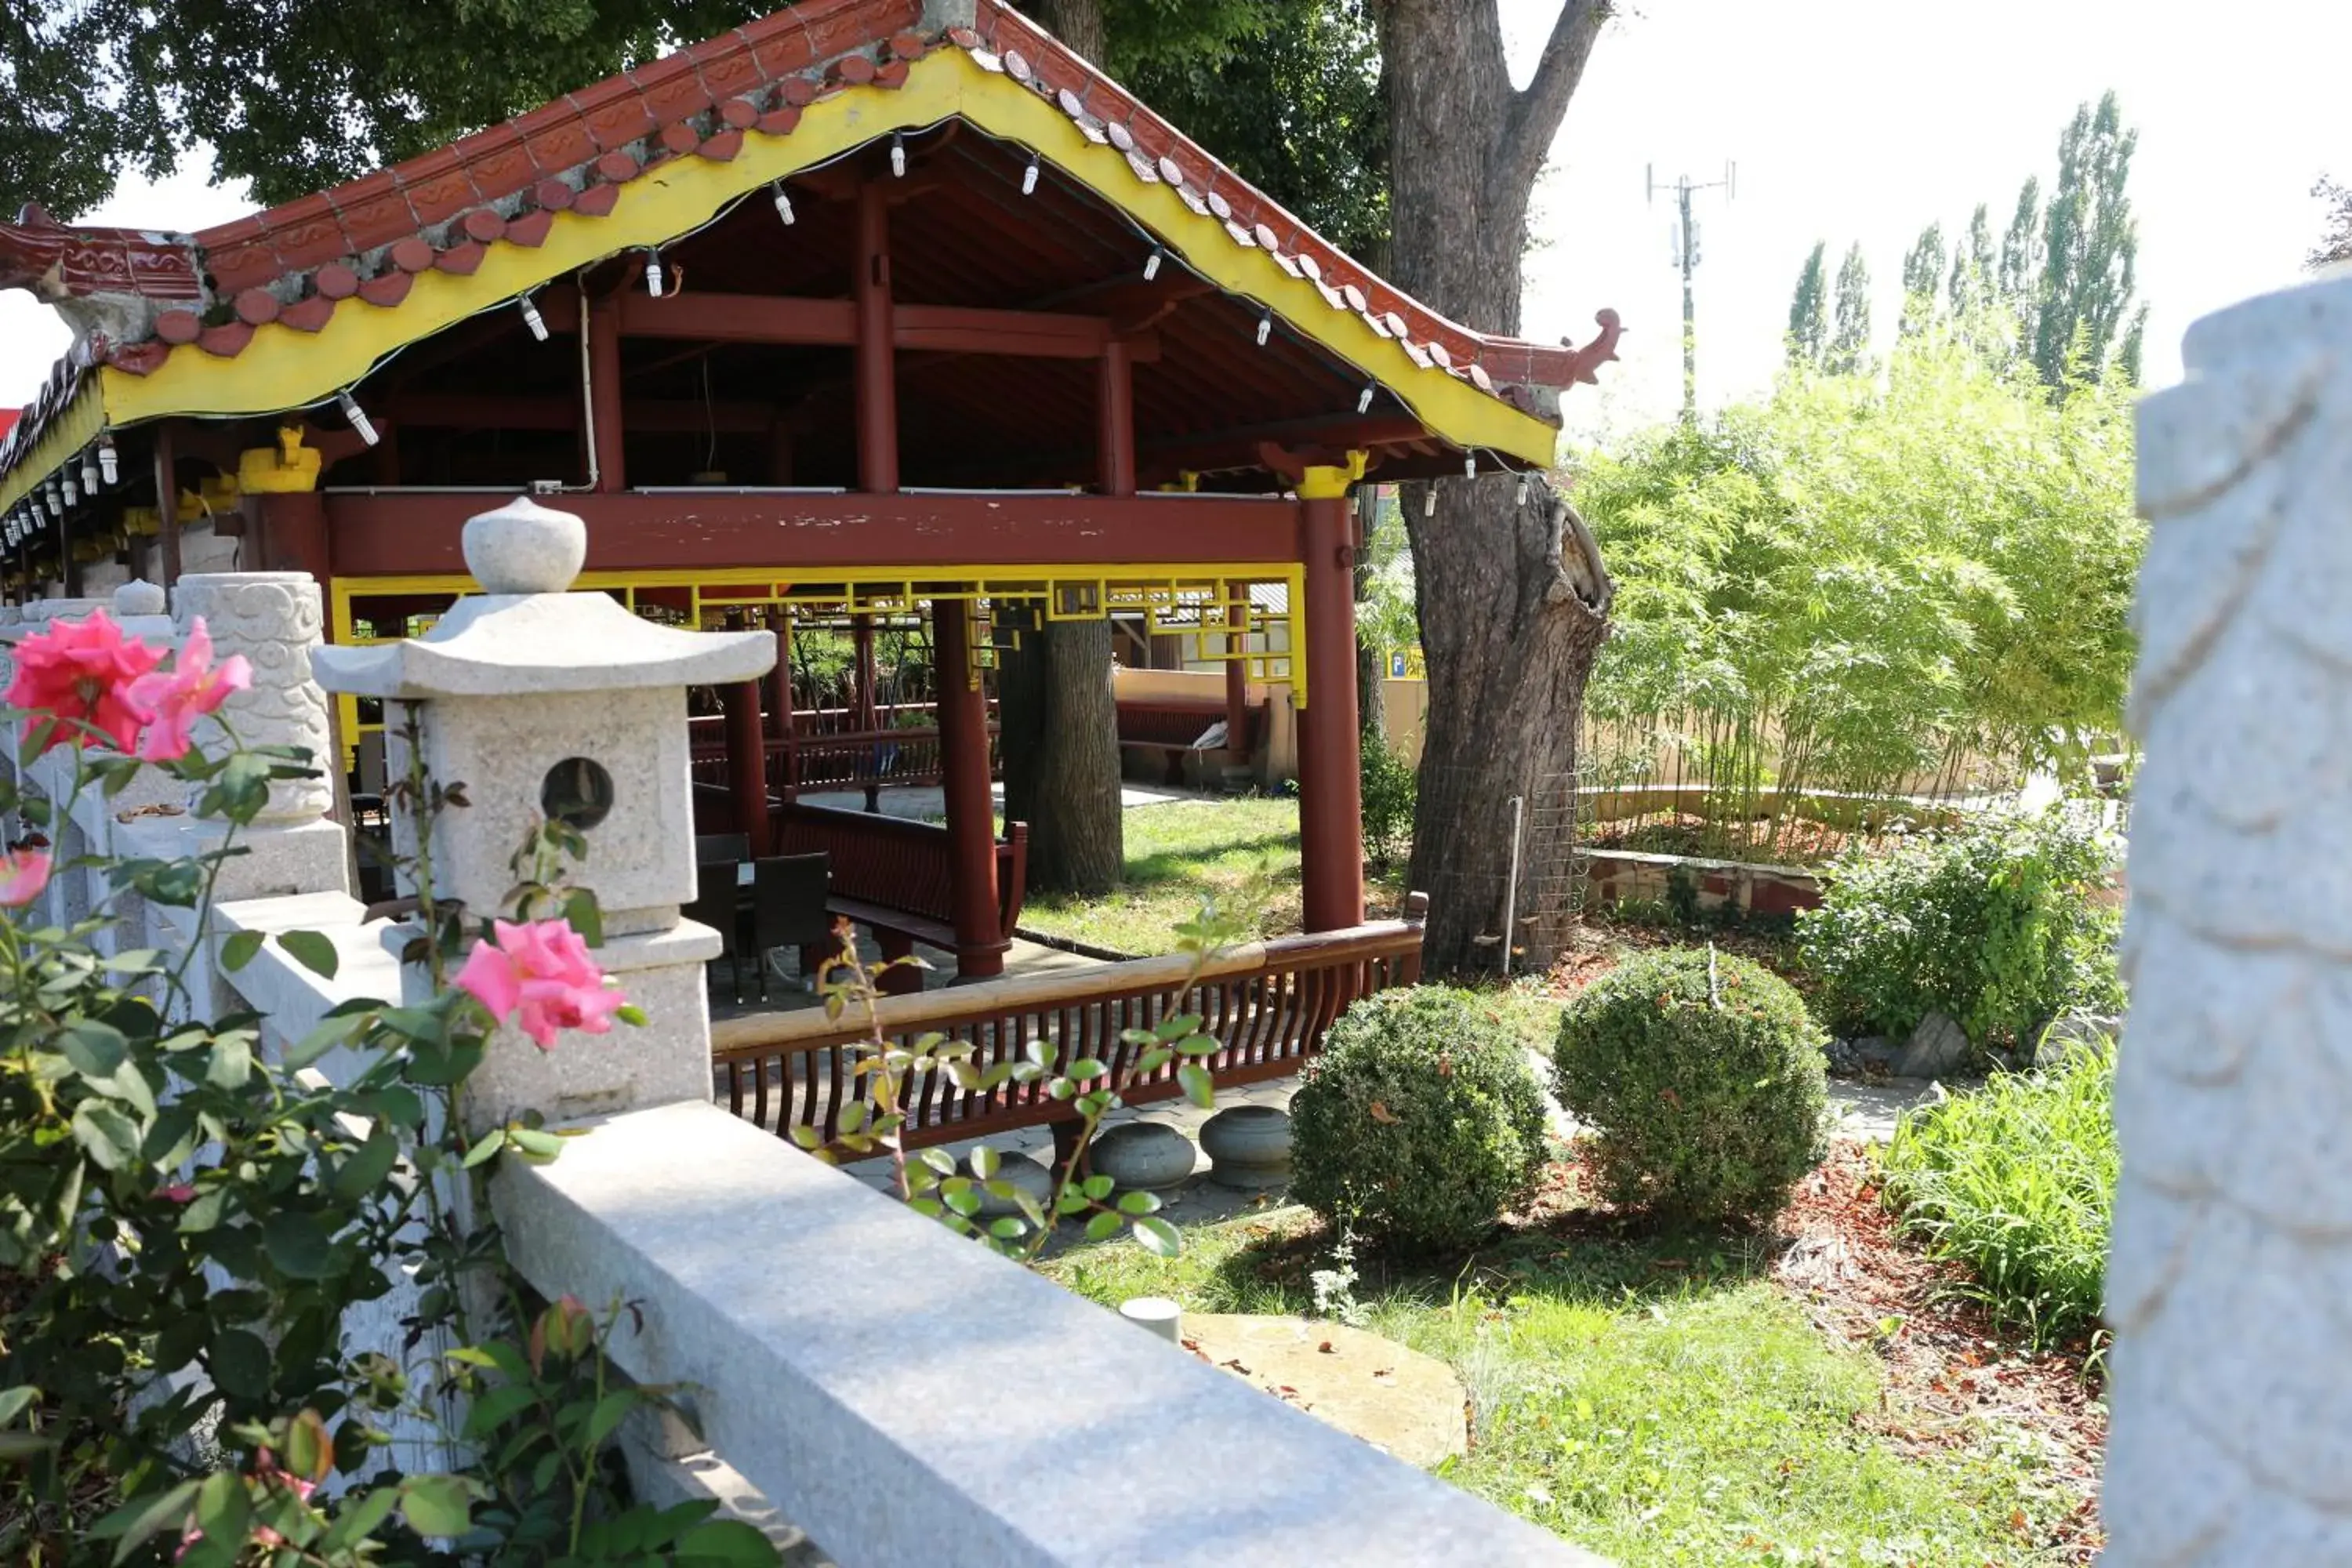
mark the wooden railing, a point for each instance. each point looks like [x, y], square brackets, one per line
[1268, 1003]
[835, 758]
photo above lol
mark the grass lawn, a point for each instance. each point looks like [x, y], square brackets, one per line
[1243, 852]
[1659, 1403]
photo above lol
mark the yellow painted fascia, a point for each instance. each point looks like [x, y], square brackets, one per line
[282, 369]
[67, 434]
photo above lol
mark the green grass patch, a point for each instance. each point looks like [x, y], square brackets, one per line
[1242, 852]
[2016, 1179]
[1658, 1402]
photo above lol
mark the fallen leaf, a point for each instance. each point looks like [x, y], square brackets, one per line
[1383, 1114]
[1326, 1348]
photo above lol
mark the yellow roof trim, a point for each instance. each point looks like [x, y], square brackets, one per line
[282, 369]
[67, 434]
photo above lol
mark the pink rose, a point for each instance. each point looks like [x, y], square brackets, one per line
[168, 704]
[539, 975]
[82, 672]
[23, 874]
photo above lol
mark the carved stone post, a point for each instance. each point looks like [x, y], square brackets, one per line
[2231, 1253]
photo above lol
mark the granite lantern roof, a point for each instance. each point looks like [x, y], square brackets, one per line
[282, 309]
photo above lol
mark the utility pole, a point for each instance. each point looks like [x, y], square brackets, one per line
[1685, 256]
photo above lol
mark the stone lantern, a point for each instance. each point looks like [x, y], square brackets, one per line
[546, 703]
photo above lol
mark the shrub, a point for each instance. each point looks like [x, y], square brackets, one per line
[2016, 1179]
[1703, 1080]
[1392, 790]
[1420, 1124]
[1995, 927]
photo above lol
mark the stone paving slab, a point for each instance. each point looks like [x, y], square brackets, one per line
[1408, 1405]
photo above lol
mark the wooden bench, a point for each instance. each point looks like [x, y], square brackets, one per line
[1169, 725]
[1268, 1003]
[896, 877]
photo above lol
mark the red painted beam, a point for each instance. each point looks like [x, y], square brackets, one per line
[781, 319]
[492, 411]
[397, 533]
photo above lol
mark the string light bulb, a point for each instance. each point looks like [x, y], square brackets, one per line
[1151, 263]
[784, 205]
[1264, 327]
[898, 154]
[1029, 177]
[1523, 490]
[1470, 465]
[532, 319]
[1364, 404]
[109, 466]
[653, 273]
[357, 416]
[1429, 507]
[89, 472]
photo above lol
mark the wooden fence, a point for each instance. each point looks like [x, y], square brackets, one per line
[1268, 1003]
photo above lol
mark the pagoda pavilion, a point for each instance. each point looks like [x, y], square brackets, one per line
[873, 312]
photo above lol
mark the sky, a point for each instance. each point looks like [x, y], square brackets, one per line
[1849, 121]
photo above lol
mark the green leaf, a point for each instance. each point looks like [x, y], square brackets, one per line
[725, 1543]
[580, 912]
[105, 1134]
[533, 1144]
[95, 1049]
[631, 1014]
[1198, 1087]
[224, 1508]
[332, 1032]
[231, 1063]
[299, 1245]
[365, 1170]
[15, 1401]
[983, 1160]
[1137, 1203]
[1086, 1068]
[311, 950]
[131, 1525]
[203, 1211]
[436, 1505]
[1157, 1236]
[1197, 1046]
[360, 1518]
[1097, 1187]
[609, 1412]
[238, 951]
[1152, 1060]
[488, 1144]
[239, 1364]
[1102, 1224]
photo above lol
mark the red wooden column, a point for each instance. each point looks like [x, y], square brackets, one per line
[971, 808]
[293, 528]
[1117, 404]
[747, 763]
[604, 392]
[1330, 790]
[877, 385]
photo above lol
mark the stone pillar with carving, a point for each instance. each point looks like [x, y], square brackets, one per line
[273, 618]
[2230, 1262]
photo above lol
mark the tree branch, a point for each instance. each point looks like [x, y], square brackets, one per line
[1535, 112]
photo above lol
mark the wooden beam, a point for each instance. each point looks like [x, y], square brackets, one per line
[492, 411]
[395, 533]
[782, 319]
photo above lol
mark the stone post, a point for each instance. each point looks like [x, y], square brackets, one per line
[544, 702]
[2231, 1393]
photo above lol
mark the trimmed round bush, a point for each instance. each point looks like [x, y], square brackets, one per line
[1420, 1124]
[1705, 1091]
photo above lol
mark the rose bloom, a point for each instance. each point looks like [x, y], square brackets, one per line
[539, 975]
[23, 874]
[82, 672]
[170, 702]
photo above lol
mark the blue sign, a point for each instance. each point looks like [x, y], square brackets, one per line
[1396, 667]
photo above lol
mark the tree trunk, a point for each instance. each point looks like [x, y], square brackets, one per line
[1059, 738]
[1077, 23]
[1513, 604]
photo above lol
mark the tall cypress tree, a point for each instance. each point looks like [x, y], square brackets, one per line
[2090, 248]
[2020, 278]
[1809, 311]
[1975, 266]
[1923, 278]
[1850, 342]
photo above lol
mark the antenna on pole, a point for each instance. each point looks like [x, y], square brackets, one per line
[1685, 260]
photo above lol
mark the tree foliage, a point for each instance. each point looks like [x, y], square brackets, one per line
[1864, 581]
[1809, 311]
[1850, 339]
[1923, 275]
[2090, 249]
[2335, 242]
